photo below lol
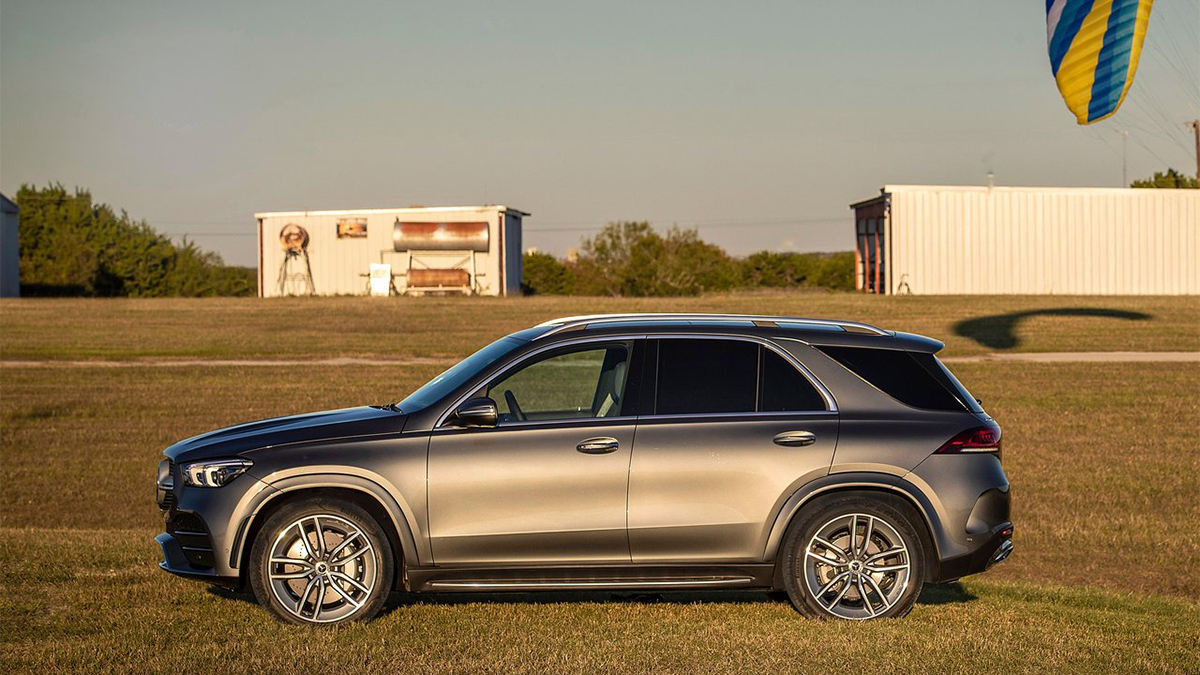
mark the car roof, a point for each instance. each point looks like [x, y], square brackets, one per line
[812, 331]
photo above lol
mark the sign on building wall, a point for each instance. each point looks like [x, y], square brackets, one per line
[352, 228]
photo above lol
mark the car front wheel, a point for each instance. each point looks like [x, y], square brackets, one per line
[321, 561]
[853, 558]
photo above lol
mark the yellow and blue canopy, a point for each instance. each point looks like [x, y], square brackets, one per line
[1094, 48]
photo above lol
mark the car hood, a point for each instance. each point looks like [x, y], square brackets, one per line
[363, 421]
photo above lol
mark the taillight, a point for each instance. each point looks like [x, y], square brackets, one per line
[978, 439]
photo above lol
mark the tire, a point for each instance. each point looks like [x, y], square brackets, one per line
[826, 577]
[348, 579]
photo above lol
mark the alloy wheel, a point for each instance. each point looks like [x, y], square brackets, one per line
[322, 568]
[856, 566]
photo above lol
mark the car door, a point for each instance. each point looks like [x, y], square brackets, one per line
[549, 483]
[734, 430]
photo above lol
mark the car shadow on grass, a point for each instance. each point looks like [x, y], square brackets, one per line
[952, 593]
[931, 594]
[999, 331]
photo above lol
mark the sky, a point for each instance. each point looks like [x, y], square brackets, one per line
[756, 122]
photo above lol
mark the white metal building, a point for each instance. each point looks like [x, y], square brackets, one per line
[10, 252]
[927, 239]
[419, 250]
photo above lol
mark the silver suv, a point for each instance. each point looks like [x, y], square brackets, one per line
[841, 463]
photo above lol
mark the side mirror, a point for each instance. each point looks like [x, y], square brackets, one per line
[476, 412]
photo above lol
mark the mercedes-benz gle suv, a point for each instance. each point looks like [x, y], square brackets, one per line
[833, 460]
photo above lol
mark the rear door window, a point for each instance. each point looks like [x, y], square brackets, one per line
[699, 376]
[905, 376]
[706, 376]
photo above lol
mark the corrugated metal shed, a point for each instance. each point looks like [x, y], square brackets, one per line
[1028, 240]
[10, 251]
[331, 252]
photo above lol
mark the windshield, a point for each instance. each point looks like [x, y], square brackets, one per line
[441, 386]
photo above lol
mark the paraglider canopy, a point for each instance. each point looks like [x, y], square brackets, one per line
[1094, 48]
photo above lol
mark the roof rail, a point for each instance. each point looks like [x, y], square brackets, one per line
[570, 322]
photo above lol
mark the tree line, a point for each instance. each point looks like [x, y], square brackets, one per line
[632, 259]
[71, 245]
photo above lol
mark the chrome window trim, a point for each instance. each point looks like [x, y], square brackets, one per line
[791, 413]
[566, 421]
[830, 403]
[441, 421]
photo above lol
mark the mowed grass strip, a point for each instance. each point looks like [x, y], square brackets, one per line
[94, 601]
[1103, 457]
[322, 328]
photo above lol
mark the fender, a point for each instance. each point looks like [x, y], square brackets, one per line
[416, 550]
[845, 481]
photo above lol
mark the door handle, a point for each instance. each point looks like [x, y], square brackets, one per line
[598, 446]
[795, 439]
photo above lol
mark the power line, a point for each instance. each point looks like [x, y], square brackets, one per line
[707, 224]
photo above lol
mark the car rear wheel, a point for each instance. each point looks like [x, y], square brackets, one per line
[321, 561]
[853, 558]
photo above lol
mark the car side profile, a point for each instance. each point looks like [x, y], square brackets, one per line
[836, 461]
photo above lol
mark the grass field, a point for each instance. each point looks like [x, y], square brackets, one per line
[450, 327]
[1104, 461]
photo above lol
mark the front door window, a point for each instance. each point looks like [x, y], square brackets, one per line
[577, 384]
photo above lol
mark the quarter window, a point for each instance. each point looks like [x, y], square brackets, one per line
[784, 389]
[906, 377]
[578, 384]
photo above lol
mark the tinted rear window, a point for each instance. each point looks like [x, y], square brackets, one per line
[706, 376]
[784, 389]
[901, 375]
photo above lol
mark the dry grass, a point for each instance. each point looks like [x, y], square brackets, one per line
[422, 327]
[1104, 459]
[94, 601]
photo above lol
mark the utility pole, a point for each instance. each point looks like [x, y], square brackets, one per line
[1195, 124]
[1124, 158]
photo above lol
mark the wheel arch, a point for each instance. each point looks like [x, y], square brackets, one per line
[370, 496]
[897, 491]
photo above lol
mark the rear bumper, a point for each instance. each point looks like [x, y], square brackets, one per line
[995, 550]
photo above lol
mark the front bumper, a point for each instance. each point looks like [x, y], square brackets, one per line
[204, 526]
[176, 561]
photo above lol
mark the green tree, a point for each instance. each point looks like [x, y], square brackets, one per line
[1170, 179]
[787, 269]
[631, 259]
[543, 274]
[72, 246]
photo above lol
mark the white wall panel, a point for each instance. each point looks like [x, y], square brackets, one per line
[1085, 241]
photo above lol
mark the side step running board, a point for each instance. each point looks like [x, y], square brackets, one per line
[589, 577]
[558, 584]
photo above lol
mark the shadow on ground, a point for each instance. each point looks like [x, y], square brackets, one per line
[931, 594]
[999, 331]
[952, 593]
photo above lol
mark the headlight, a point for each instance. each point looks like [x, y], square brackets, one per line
[214, 473]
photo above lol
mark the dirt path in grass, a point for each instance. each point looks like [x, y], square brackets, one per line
[1028, 357]
[1082, 357]
[280, 363]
